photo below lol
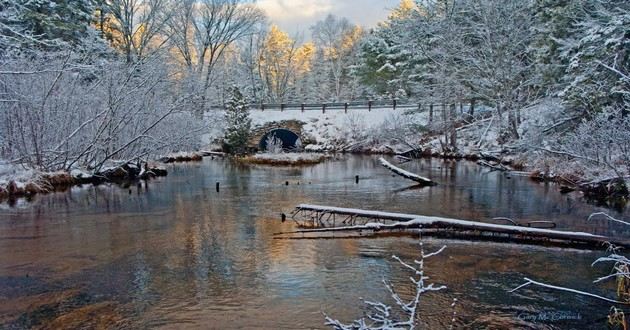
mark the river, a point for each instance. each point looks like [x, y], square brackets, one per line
[174, 253]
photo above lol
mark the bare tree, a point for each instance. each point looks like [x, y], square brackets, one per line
[336, 39]
[203, 30]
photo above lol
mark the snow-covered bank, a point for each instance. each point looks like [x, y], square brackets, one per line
[18, 181]
[181, 157]
[285, 159]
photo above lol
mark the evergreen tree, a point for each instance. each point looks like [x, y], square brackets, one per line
[45, 24]
[238, 123]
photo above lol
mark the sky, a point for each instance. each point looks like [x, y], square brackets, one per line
[296, 16]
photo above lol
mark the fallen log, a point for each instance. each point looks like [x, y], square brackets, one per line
[405, 174]
[401, 221]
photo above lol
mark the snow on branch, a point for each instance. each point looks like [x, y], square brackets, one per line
[380, 316]
[560, 288]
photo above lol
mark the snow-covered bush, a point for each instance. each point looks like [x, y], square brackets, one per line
[274, 145]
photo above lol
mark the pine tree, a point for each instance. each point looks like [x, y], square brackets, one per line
[46, 24]
[237, 121]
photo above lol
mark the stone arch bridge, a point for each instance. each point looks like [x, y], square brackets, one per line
[288, 131]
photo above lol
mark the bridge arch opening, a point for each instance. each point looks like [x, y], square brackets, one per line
[290, 140]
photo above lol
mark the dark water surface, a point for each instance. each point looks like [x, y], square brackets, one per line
[177, 254]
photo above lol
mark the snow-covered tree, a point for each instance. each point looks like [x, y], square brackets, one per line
[238, 123]
[597, 50]
[45, 24]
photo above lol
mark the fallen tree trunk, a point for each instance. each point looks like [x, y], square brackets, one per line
[401, 221]
[407, 175]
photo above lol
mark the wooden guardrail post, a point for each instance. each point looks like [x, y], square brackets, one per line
[282, 105]
[394, 104]
[324, 108]
[431, 112]
[345, 107]
[369, 105]
[262, 107]
[302, 107]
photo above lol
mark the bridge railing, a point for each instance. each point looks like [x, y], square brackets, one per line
[323, 107]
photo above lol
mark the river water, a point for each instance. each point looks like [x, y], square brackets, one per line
[174, 253]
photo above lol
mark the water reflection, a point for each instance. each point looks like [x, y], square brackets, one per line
[174, 252]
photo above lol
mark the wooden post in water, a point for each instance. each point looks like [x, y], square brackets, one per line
[356, 179]
[217, 186]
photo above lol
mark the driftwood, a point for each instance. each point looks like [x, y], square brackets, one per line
[407, 175]
[401, 221]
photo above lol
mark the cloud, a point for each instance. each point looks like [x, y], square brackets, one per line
[296, 16]
[294, 9]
